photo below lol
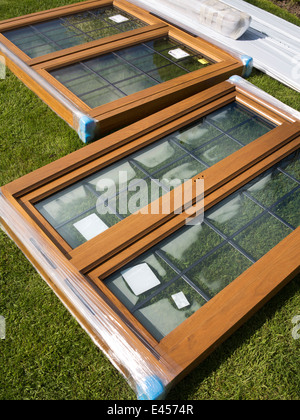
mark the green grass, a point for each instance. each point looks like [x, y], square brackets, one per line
[47, 355]
[276, 10]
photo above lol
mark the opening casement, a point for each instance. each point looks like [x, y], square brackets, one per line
[171, 290]
[102, 65]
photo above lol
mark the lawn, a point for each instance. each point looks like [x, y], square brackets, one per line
[46, 355]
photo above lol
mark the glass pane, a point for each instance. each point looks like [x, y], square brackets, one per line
[292, 165]
[135, 84]
[219, 269]
[176, 173]
[189, 245]
[136, 282]
[195, 136]
[134, 52]
[158, 155]
[132, 183]
[72, 30]
[197, 262]
[90, 83]
[217, 150]
[42, 50]
[167, 73]
[64, 74]
[135, 198]
[67, 204]
[86, 226]
[271, 187]
[75, 40]
[222, 133]
[169, 308]
[133, 69]
[121, 72]
[233, 213]
[32, 41]
[150, 62]
[289, 208]
[104, 62]
[161, 44]
[262, 235]
[192, 63]
[229, 117]
[102, 96]
[250, 131]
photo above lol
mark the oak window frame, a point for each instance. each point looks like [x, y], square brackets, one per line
[189, 343]
[126, 110]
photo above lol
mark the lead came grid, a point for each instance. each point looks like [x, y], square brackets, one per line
[165, 163]
[199, 261]
[64, 32]
[112, 76]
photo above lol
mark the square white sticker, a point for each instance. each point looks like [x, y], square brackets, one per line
[178, 53]
[140, 278]
[180, 300]
[118, 18]
[90, 226]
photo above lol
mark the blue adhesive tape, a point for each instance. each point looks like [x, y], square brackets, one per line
[86, 130]
[235, 78]
[248, 65]
[152, 388]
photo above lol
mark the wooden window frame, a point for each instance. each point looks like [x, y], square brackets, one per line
[111, 116]
[188, 344]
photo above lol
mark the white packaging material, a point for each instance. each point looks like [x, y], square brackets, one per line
[118, 18]
[140, 278]
[180, 300]
[224, 19]
[90, 226]
[214, 14]
[178, 53]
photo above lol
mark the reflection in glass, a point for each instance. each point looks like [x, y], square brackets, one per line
[115, 192]
[67, 31]
[130, 70]
[195, 263]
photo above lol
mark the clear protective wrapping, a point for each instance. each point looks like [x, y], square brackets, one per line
[149, 374]
[261, 94]
[82, 123]
[211, 13]
[271, 42]
[149, 377]
[216, 15]
[188, 19]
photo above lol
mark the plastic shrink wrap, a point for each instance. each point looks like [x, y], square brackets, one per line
[149, 377]
[216, 15]
[150, 374]
[86, 121]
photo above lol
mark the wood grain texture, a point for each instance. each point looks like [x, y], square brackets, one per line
[42, 16]
[131, 252]
[153, 127]
[135, 226]
[230, 308]
[59, 58]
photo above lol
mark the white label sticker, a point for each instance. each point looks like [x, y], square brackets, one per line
[178, 53]
[180, 300]
[118, 18]
[90, 226]
[140, 278]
